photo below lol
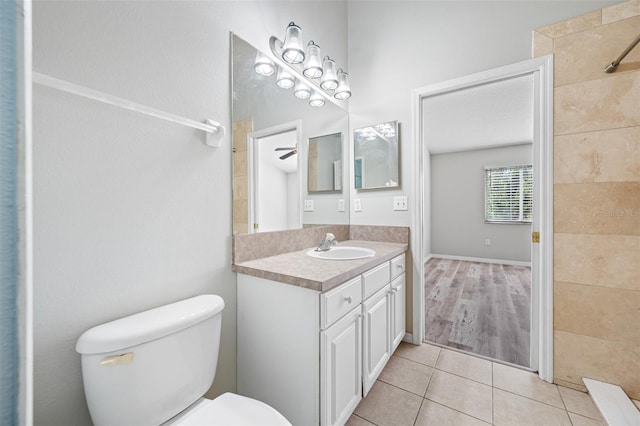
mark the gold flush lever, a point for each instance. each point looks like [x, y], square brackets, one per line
[535, 237]
[117, 359]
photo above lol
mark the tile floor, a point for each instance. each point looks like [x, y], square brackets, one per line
[429, 385]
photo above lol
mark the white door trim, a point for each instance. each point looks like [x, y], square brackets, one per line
[542, 296]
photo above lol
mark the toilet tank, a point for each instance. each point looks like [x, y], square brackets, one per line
[146, 368]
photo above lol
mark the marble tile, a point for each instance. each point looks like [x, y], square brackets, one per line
[511, 409]
[573, 25]
[611, 208]
[578, 420]
[239, 133]
[606, 103]
[434, 414]
[240, 188]
[470, 367]
[620, 11]
[357, 421]
[577, 356]
[579, 402]
[425, 354]
[527, 384]
[388, 405]
[582, 56]
[574, 386]
[608, 313]
[407, 375]
[239, 163]
[605, 156]
[542, 45]
[589, 259]
[240, 212]
[469, 397]
[637, 403]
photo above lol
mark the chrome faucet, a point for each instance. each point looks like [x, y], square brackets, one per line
[328, 242]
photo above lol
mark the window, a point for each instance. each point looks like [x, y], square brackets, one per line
[508, 194]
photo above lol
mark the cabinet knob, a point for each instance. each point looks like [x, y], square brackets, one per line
[348, 299]
[399, 266]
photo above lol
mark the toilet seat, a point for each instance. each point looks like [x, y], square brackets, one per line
[230, 409]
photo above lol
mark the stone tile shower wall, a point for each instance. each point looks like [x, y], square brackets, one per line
[596, 197]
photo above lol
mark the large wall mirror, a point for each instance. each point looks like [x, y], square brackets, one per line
[325, 163]
[376, 156]
[272, 131]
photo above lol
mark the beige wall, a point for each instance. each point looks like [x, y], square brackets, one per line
[596, 197]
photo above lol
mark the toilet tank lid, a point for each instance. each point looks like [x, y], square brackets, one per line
[148, 325]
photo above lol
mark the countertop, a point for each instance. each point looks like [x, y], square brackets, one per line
[296, 268]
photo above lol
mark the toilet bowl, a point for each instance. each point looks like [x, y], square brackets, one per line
[228, 409]
[154, 367]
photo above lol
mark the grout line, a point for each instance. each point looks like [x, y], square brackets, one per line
[531, 399]
[463, 377]
[458, 411]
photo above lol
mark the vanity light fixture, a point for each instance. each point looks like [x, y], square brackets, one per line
[316, 100]
[319, 76]
[285, 79]
[302, 91]
[263, 65]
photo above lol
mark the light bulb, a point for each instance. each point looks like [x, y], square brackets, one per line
[302, 91]
[292, 47]
[263, 65]
[316, 100]
[343, 91]
[285, 80]
[329, 79]
[312, 64]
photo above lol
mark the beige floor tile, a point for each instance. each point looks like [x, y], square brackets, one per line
[526, 384]
[406, 374]
[357, 421]
[511, 409]
[389, 405]
[434, 414]
[424, 354]
[461, 394]
[579, 403]
[579, 420]
[468, 366]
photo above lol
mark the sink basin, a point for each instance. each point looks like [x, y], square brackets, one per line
[342, 253]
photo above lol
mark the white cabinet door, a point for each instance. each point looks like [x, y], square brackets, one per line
[398, 323]
[376, 327]
[341, 369]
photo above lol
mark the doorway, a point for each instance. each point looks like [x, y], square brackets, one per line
[463, 126]
[274, 179]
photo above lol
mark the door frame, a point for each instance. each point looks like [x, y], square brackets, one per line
[253, 166]
[542, 253]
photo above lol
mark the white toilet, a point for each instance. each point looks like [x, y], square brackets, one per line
[154, 367]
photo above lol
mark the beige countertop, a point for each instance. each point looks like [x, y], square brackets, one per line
[297, 268]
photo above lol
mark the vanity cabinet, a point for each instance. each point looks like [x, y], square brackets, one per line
[311, 355]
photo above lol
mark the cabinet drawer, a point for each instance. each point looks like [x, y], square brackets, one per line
[397, 266]
[337, 302]
[375, 279]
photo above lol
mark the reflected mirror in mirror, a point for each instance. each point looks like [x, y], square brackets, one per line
[376, 156]
[262, 112]
[325, 163]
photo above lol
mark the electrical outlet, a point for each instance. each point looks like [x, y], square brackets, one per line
[341, 205]
[400, 203]
[308, 205]
[487, 242]
[357, 205]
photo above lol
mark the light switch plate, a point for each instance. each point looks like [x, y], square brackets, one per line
[357, 205]
[341, 205]
[308, 205]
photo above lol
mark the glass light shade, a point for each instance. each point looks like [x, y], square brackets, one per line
[292, 47]
[316, 100]
[263, 65]
[285, 80]
[312, 63]
[329, 79]
[302, 91]
[343, 91]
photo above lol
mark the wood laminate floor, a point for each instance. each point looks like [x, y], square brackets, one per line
[480, 308]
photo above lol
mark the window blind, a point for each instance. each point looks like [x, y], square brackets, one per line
[509, 194]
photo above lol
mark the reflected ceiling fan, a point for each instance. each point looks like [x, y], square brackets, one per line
[292, 151]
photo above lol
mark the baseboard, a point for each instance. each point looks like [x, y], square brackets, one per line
[479, 259]
[408, 337]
